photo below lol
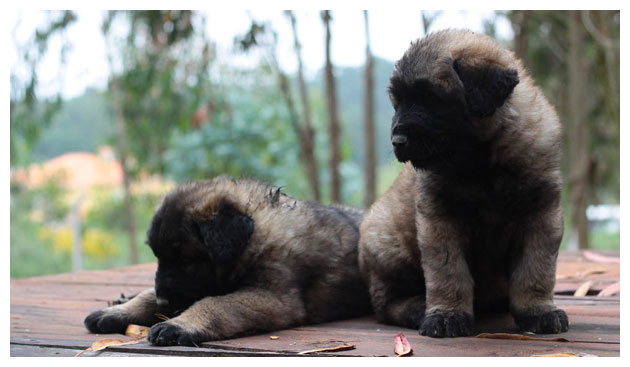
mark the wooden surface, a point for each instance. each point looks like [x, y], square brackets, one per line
[47, 320]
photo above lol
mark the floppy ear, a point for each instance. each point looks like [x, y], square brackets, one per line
[486, 87]
[226, 235]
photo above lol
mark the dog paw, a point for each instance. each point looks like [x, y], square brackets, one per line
[542, 322]
[172, 333]
[106, 321]
[442, 323]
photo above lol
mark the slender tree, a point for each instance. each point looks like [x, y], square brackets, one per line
[521, 31]
[307, 133]
[122, 151]
[578, 143]
[369, 162]
[334, 130]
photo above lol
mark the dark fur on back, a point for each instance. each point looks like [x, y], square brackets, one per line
[484, 223]
[237, 257]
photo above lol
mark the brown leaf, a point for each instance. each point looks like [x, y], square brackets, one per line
[593, 256]
[587, 273]
[136, 331]
[583, 289]
[345, 346]
[105, 343]
[563, 354]
[610, 290]
[519, 337]
[401, 345]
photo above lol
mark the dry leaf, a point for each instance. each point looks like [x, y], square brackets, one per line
[563, 354]
[136, 331]
[273, 337]
[519, 337]
[610, 290]
[104, 343]
[345, 346]
[593, 256]
[401, 345]
[583, 289]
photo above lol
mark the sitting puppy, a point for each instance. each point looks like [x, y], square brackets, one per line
[235, 258]
[474, 220]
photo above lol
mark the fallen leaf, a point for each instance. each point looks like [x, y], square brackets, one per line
[586, 273]
[345, 346]
[519, 337]
[593, 256]
[273, 337]
[136, 331]
[583, 289]
[610, 290]
[105, 343]
[401, 345]
[563, 354]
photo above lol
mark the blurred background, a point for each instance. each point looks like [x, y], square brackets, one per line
[111, 109]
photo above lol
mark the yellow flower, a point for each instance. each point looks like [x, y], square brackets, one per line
[99, 243]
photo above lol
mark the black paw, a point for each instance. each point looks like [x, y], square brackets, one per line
[169, 333]
[545, 322]
[106, 322]
[439, 323]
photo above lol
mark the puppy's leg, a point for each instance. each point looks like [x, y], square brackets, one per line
[221, 317]
[534, 276]
[394, 307]
[448, 280]
[139, 310]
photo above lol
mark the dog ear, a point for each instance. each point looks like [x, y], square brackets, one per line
[226, 234]
[486, 87]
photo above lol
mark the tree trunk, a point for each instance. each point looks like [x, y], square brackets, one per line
[307, 133]
[121, 138]
[520, 28]
[369, 159]
[577, 132]
[333, 118]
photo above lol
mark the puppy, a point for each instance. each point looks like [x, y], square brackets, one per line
[238, 257]
[474, 220]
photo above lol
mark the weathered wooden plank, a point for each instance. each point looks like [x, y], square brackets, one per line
[18, 350]
[47, 317]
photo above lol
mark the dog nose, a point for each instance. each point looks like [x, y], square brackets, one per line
[399, 140]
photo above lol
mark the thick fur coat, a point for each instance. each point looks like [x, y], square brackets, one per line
[237, 257]
[474, 220]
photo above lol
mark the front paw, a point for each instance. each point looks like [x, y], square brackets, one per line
[173, 333]
[542, 322]
[106, 321]
[445, 323]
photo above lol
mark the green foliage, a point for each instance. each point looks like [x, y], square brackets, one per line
[29, 113]
[248, 135]
[547, 60]
[40, 244]
[162, 83]
[83, 124]
[31, 255]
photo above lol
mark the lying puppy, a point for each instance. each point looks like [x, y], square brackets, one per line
[474, 220]
[237, 257]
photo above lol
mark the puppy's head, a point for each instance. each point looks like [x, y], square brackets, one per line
[198, 234]
[442, 84]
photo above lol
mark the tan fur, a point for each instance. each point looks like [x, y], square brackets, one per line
[410, 225]
[299, 265]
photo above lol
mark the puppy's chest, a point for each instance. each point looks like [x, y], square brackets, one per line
[490, 201]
